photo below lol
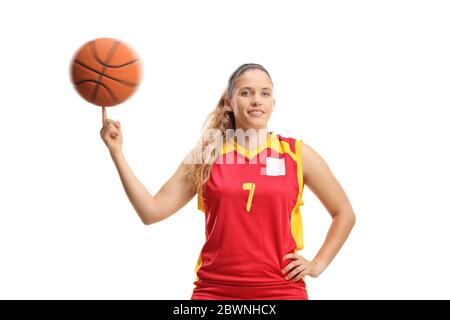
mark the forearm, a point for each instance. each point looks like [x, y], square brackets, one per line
[138, 195]
[337, 234]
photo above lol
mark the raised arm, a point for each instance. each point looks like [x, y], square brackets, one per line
[172, 196]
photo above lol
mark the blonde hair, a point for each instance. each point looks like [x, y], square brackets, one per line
[217, 126]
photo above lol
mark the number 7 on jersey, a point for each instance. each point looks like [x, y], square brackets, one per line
[249, 186]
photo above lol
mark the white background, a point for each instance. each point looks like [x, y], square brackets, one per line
[365, 83]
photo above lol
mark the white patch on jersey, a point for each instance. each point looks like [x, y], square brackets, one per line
[275, 167]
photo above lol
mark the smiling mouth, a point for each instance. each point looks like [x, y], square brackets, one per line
[255, 112]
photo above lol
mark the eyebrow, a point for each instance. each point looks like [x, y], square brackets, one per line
[252, 88]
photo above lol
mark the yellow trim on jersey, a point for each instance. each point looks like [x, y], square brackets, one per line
[252, 153]
[298, 153]
[296, 217]
[200, 204]
[199, 263]
[272, 142]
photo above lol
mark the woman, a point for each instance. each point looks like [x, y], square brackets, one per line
[249, 183]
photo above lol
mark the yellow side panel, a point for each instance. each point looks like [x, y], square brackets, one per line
[297, 228]
[296, 218]
[200, 204]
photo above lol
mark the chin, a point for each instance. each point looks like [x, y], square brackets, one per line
[258, 125]
[258, 122]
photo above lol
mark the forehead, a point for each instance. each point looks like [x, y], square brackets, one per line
[254, 78]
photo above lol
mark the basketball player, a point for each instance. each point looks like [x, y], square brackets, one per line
[250, 190]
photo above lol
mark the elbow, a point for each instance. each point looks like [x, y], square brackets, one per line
[146, 220]
[149, 219]
[149, 214]
[346, 216]
[352, 219]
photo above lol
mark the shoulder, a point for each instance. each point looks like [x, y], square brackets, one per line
[288, 140]
[312, 161]
[308, 156]
[313, 165]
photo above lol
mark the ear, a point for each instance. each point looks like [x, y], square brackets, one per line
[227, 105]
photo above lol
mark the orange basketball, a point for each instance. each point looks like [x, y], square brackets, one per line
[106, 71]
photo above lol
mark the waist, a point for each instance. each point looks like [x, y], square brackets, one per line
[287, 290]
[250, 284]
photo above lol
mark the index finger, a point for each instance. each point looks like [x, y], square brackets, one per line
[103, 115]
[290, 256]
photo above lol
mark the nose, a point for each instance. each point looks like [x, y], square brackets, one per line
[255, 101]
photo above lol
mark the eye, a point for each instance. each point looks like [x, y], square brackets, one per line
[267, 93]
[244, 93]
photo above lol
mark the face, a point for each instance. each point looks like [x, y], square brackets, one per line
[252, 102]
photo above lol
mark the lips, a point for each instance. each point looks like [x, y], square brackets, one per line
[255, 111]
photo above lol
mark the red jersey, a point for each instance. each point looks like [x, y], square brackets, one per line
[252, 209]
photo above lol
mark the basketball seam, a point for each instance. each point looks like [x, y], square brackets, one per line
[111, 52]
[99, 84]
[119, 66]
[106, 65]
[124, 82]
